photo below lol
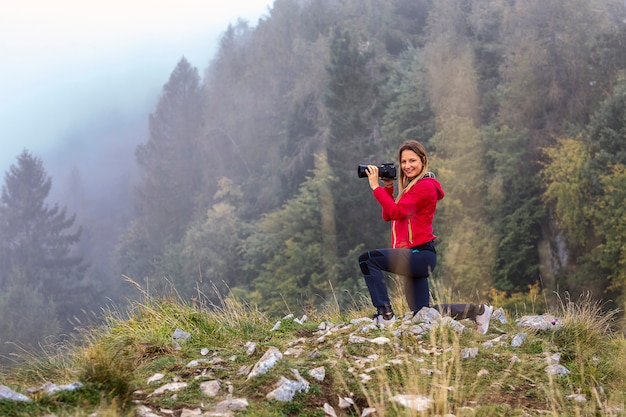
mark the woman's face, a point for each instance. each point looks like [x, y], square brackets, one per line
[410, 163]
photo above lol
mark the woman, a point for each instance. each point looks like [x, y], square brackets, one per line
[413, 252]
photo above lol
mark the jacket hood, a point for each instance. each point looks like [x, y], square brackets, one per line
[437, 185]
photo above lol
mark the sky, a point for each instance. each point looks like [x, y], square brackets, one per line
[65, 63]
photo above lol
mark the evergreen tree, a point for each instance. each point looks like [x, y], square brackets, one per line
[354, 106]
[170, 164]
[514, 205]
[36, 240]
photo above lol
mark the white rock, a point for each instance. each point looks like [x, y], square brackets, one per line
[579, 398]
[414, 402]
[499, 315]
[143, 411]
[197, 362]
[276, 326]
[368, 411]
[267, 361]
[225, 408]
[329, 410]
[482, 372]
[542, 322]
[318, 373]
[356, 339]
[360, 320]
[204, 351]
[8, 394]
[172, 386]
[301, 320]
[250, 348]
[426, 315]
[518, 340]
[294, 351]
[554, 359]
[469, 352]
[557, 370]
[455, 325]
[300, 341]
[345, 402]
[210, 388]
[156, 377]
[287, 388]
[380, 340]
[365, 378]
[191, 413]
[180, 334]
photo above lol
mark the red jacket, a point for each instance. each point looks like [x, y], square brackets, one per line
[412, 217]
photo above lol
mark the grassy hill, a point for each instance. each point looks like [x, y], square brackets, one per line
[167, 357]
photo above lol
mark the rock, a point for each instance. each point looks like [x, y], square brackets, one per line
[172, 386]
[365, 378]
[518, 339]
[294, 351]
[449, 321]
[353, 339]
[329, 410]
[368, 411]
[499, 315]
[542, 322]
[557, 370]
[197, 362]
[287, 388]
[191, 413]
[579, 398]
[276, 326]
[469, 353]
[180, 335]
[300, 341]
[250, 348]
[156, 377]
[143, 411]
[345, 402]
[210, 388]
[7, 393]
[301, 320]
[318, 373]
[426, 315]
[553, 359]
[380, 340]
[414, 402]
[267, 361]
[360, 320]
[204, 351]
[244, 370]
[225, 408]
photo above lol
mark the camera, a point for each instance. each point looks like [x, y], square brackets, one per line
[386, 171]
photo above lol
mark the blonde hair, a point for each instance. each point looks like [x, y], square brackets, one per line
[405, 183]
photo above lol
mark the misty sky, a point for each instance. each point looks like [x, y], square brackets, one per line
[65, 63]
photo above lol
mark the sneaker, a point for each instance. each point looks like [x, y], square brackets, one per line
[482, 320]
[384, 320]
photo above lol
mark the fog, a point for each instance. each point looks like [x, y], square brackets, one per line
[77, 85]
[69, 67]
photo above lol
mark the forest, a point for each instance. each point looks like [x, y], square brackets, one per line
[247, 181]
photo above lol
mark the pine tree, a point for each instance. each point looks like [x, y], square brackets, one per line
[36, 240]
[170, 168]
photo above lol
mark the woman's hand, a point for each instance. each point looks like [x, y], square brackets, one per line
[372, 176]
